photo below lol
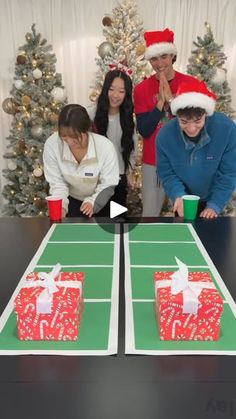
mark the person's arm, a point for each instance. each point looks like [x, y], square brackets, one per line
[57, 184]
[108, 178]
[225, 178]
[146, 120]
[172, 184]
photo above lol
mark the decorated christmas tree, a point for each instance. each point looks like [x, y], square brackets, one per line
[37, 97]
[124, 47]
[207, 63]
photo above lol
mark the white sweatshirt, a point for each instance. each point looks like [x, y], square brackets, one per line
[85, 180]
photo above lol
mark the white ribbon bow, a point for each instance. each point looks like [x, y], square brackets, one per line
[47, 281]
[190, 289]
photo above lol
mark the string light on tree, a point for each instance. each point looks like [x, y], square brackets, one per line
[210, 68]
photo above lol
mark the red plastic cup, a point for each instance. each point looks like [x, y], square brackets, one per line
[54, 207]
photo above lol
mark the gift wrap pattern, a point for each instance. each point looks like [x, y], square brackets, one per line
[153, 248]
[80, 249]
[173, 324]
[63, 321]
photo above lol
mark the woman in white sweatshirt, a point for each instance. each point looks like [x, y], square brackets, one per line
[79, 165]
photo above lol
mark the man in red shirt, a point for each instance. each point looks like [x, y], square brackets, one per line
[152, 98]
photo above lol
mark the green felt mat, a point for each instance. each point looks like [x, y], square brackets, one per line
[153, 247]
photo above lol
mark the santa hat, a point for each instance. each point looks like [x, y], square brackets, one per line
[159, 42]
[193, 94]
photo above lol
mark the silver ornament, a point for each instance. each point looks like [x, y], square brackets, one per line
[106, 48]
[19, 84]
[12, 165]
[37, 131]
[37, 74]
[219, 77]
[58, 94]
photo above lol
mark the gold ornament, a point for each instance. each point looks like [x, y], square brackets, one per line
[53, 118]
[9, 106]
[93, 96]
[140, 50]
[21, 58]
[34, 63]
[106, 48]
[107, 21]
[37, 172]
[21, 144]
[25, 100]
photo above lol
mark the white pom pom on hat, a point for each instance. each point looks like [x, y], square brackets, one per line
[194, 94]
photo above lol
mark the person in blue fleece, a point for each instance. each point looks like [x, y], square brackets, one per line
[197, 151]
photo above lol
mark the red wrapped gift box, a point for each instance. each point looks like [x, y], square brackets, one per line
[176, 325]
[63, 322]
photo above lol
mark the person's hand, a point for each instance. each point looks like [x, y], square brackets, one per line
[87, 208]
[166, 88]
[208, 213]
[161, 94]
[179, 207]
[63, 212]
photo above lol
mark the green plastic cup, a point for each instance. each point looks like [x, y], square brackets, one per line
[190, 206]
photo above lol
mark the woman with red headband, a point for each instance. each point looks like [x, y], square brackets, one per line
[113, 118]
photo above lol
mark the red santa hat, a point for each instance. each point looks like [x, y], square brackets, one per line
[194, 94]
[159, 42]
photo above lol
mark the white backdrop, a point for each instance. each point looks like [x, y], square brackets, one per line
[74, 28]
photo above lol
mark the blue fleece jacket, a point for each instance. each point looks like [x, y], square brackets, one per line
[207, 169]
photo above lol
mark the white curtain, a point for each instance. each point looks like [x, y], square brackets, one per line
[74, 29]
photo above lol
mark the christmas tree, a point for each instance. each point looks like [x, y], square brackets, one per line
[37, 97]
[124, 45]
[207, 63]
[124, 48]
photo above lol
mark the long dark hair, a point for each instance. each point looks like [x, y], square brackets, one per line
[126, 113]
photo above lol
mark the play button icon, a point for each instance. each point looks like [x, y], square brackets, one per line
[112, 216]
[116, 209]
